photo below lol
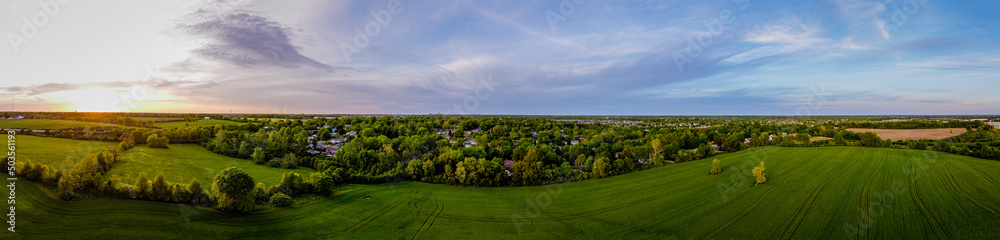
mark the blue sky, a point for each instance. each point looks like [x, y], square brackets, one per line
[506, 57]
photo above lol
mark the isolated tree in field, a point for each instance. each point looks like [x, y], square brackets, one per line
[716, 166]
[758, 174]
[232, 189]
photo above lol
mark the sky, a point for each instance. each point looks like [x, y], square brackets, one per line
[543, 57]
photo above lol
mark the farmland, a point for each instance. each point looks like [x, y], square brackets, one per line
[181, 162]
[913, 134]
[52, 151]
[812, 193]
[47, 124]
[198, 123]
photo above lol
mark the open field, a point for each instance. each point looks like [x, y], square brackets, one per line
[181, 162]
[811, 193]
[156, 118]
[912, 134]
[48, 124]
[813, 139]
[53, 151]
[197, 123]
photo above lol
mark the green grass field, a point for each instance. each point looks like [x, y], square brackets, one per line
[53, 151]
[48, 124]
[811, 193]
[197, 123]
[181, 162]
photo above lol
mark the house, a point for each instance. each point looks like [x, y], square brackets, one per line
[337, 140]
[574, 142]
[507, 164]
[352, 133]
[208, 118]
[470, 142]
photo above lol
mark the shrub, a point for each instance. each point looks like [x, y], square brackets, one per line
[758, 173]
[281, 200]
[274, 163]
[716, 166]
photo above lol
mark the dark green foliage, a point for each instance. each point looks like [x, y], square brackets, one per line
[232, 189]
[281, 200]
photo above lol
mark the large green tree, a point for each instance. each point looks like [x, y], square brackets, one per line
[232, 189]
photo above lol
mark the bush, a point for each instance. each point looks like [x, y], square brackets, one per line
[274, 163]
[281, 200]
[156, 141]
[716, 167]
[758, 173]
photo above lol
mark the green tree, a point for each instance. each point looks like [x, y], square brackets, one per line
[259, 157]
[602, 167]
[160, 188]
[143, 186]
[758, 174]
[716, 166]
[67, 184]
[232, 189]
[197, 193]
[839, 138]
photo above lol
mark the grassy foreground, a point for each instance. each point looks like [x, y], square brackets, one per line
[181, 162]
[811, 193]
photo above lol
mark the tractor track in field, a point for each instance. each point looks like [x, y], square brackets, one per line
[961, 191]
[736, 218]
[863, 203]
[981, 173]
[430, 217]
[928, 216]
[794, 225]
[573, 216]
[667, 216]
[365, 221]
